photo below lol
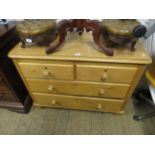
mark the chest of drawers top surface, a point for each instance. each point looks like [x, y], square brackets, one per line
[82, 48]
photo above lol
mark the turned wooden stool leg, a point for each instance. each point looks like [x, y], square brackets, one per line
[101, 44]
[62, 32]
[23, 44]
[133, 43]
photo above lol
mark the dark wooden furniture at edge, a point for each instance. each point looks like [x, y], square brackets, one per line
[11, 83]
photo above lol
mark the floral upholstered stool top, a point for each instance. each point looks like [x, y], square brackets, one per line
[36, 31]
[122, 31]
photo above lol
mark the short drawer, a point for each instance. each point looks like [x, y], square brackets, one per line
[47, 71]
[97, 89]
[82, 103]
[106, 73]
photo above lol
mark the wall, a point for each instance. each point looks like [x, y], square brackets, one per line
[149, 43]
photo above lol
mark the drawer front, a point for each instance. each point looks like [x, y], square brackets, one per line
[79, 88]
[82, 103]
[47, 71]
[107, 73]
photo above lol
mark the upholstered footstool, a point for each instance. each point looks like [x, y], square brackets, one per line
[119, 32]
[36, 31]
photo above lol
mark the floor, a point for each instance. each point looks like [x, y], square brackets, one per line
[73, 122]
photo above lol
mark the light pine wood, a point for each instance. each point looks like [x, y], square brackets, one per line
[106, 73]
[47, 71]
[78, 76]
[82, 48]
[74, 102]
[110, 90]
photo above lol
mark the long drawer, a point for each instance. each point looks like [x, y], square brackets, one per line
[97, 89]
[47, 71]
[106, 73]
[82, 103]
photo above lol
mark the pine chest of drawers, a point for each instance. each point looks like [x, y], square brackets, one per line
[78, 76]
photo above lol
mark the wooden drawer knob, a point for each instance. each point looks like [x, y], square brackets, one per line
[45, 72]
[50, 88]
[104, 76]
[53, 102]
[99, 106]
[102, 91]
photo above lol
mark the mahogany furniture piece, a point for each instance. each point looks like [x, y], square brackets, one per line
[80, 25]
[13, 94]
[78, 76]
